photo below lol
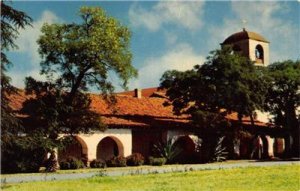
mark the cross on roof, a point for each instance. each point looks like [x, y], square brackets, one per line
[244, 22]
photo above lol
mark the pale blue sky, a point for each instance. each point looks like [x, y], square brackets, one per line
[166, 35]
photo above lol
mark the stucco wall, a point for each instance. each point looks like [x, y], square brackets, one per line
[270, 146]
[92, 141]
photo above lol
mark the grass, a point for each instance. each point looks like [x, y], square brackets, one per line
[285, 177]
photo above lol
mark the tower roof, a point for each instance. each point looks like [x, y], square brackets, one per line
[243, 35]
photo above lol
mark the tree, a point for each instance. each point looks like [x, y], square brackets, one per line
[11, 21]
[225, 83]
[12, 145]
[50, 115]
[283, 99]
[75, 58]
[82, 55]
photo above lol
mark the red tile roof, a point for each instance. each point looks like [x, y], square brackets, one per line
[130, 111]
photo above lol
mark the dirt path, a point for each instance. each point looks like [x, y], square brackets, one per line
[138, 170]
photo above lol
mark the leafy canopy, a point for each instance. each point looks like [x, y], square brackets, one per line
[11, 21]
[82, 55]
[18, 153]
[283, 101]
[76, 57]
[225, 83]
[283, 96]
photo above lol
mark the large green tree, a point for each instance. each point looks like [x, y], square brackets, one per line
[283, 100]
[83, 55]
[227, 82]
[75, 58]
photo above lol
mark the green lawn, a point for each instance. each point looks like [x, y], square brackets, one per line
[252, 178]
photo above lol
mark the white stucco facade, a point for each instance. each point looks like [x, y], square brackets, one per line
[270, 146]
[122, 136]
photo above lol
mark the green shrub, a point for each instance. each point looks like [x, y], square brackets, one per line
[219, 154]
[136, 159]
[17, 157]
[71, 163]
[119, 161]
[157, 161]
[167, 150]
[64, 165]
[98, 164]
[75, 163]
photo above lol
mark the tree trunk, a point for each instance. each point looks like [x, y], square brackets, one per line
[287, 145]
[292, 124]
[75, 88]
[296, 142]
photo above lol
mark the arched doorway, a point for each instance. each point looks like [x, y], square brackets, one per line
[109, 147]
[278, 147]
[187, 150]
[77, 149]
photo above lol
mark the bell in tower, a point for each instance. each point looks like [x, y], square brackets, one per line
[251, 45]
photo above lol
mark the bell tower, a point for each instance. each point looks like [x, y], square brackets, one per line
[251, 45]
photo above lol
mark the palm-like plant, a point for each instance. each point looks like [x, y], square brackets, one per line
[219, 153]
[168, 150]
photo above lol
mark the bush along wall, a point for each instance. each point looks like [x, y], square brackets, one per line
[98, 163]
[71, 163]
[157, 161]
[118, 161]
[136, 159]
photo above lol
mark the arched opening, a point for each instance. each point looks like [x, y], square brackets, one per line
[278, 147]
[77, 149]
[259, 54]
[109, 147]
[187, 150]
